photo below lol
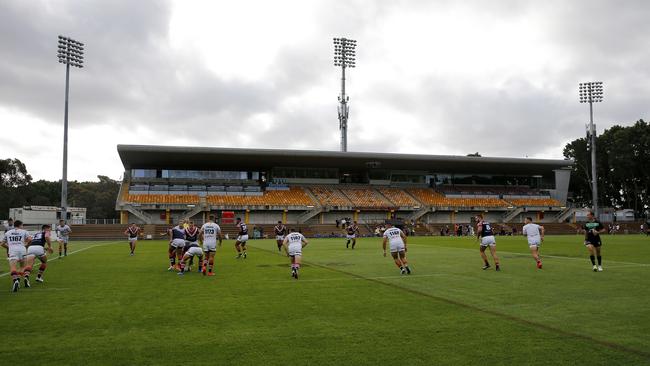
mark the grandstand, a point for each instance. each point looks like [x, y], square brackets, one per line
[162, 184]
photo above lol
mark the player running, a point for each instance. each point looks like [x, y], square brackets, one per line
[15, 241]
[280, 232]
[39, 247]
[397, 241]
[132, 233]
[210, 231]
[293, 244]
[62, 233]
[535, 235]
[192, 249]
[593, 228]
[242, 238]
[352, 230]
[485, 235]
[177, 235]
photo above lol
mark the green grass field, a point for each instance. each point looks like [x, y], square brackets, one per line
[99, 306]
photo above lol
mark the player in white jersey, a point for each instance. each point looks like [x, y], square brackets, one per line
[397, 241]
[535, 235]
[39, 247]
[63, 234]
[210, 232]
[15, 241]
[293, 244]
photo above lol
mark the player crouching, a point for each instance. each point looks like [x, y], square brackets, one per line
[192, 249]
[39, 247]
[397, 240]
[293, 244]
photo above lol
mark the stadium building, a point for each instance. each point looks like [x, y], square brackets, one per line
[163, 184]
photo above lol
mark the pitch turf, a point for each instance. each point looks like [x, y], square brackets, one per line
[99, 306]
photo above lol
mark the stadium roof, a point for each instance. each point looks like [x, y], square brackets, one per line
[215, 158]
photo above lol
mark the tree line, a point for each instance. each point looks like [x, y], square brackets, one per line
[17, 189]
[622, 168]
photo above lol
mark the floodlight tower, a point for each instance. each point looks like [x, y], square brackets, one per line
[592, 92]
[344, 56]
[71, 53]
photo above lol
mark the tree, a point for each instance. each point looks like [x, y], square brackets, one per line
[13, 173]
[623, 167]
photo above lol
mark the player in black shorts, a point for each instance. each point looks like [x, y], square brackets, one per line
[593, 228]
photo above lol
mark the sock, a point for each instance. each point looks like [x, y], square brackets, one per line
[600, 260]
[191, 261]
[15, 276]
[210, 265]
[41, 269]
[27, 271]
[205, 263]
[65, 250]
[172, 260]
[487, 263]
[593, 260]
[353, 244]
[182, 266]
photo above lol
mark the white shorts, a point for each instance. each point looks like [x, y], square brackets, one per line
[242, 238]
[209, 246]
[36, 250]
[131, 240]
[178, 243]
[534, 242]
[194, 251]
[488, 240]
[397, 247]
[62, 239]
[351, 236]
[279, 237]
[17, 253]
[295, 249]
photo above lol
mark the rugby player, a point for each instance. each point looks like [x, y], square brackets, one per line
[39, 247]
[177, 235]
[192, 249]
[535, 235]
[280, 232]
[242, 238]
[397, 241]
[210, 231]
[132, 233]
[485, 236]
[15, 241]
[293, 244]
[352, 231]
[62, 233]
[593, 228]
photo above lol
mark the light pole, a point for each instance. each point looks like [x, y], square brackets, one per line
[344, 56]
[71, 53]
[592, 92]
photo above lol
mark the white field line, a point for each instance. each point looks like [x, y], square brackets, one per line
[71, 253]
[542, 255]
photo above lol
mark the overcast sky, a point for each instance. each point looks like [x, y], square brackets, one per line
[432, 77]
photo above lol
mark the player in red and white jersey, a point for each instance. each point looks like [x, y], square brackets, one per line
[351, 234]
[15, 241]
[39, 247]
[280, 232]
[397, 241]
[242, 238]
[191, 248]
[132, 233]
[210, 232]
[293, 244]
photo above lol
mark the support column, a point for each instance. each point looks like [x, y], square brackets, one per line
[284, 216]
[168, 217]
[355, 216]
[124, 217]
[247, 216]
